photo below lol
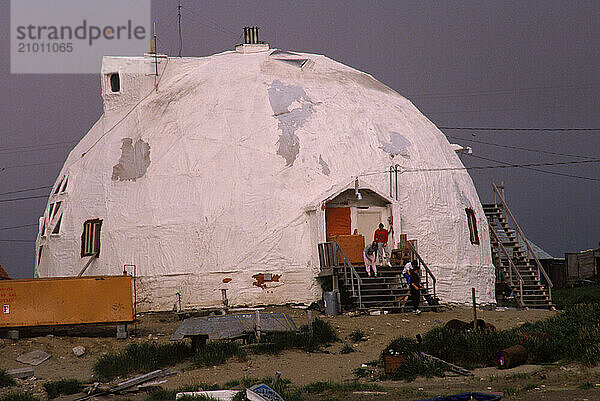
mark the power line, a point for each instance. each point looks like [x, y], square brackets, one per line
[25, 190]
[520, 148]
[500, 91]
[22, 226]
[53, 147]
[539, 170]
[36, 146]
[24, 198]
[212, 23]
[32, 165]
[507, 165]
[17, 240]
[518, 129]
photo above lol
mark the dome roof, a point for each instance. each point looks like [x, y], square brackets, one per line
[217, 170]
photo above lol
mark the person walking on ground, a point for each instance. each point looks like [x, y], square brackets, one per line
[369, 255]
[415, 288]
[381, 238]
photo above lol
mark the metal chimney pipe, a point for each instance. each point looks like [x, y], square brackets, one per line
[255, 29]
[251, 35]
[246, 34]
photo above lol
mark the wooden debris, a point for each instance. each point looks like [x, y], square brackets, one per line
[21, 373]
[450, 366]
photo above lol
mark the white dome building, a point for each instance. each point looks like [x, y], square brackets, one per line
[222, 168]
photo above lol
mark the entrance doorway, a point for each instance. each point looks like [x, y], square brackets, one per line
[367, 222]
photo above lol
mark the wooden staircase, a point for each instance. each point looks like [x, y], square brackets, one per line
[516, 265]
[388, 291]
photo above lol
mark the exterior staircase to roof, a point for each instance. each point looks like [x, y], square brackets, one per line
[516, 265]
[388, 291]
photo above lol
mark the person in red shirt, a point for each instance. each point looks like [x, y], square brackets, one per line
[381, 237]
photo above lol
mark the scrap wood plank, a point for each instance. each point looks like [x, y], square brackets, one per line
[127, 384]
[451, 367]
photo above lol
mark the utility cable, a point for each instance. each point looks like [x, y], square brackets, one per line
[518, 129]
[22, 226]
[24, 198]
[2, 150]
[25, 190]
[507, 165]
[538, 170]
[500, 91]
[17, 240]
[520, 148]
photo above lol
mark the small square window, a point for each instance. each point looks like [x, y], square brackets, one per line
[472, 222]
[90, 239]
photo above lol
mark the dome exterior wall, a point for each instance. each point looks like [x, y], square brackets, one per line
[217, 180]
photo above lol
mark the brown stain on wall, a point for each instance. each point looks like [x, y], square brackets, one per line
[226, 280]
[260, 280]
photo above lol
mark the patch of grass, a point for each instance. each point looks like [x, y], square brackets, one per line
[141, 358]
[323, 334]
[586, 385]
[357, 336]
[347, 349]
[5, 379]
[59, 387]
[328, 386]
[415, 366]
[361, 372]
[573, 335]
[564, 298]
[18, 396]
[217, 353]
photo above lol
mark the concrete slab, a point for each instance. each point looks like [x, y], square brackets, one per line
[34, 357]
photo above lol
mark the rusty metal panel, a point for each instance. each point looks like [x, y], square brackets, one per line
[65, 300]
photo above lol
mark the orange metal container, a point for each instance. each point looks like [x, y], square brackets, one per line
[65, 300]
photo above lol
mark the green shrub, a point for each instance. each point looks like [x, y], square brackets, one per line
[141, 358]
[416, 366]
[59, 387]
[573, 335]
[5, 379]
[217, 353]
[347, 349]
[357, 336]
[567, 297]
[18, 396]
[274, 343]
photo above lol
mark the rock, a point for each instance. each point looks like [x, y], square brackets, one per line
[79, 350]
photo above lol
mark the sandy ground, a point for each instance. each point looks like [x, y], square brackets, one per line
[557, 382]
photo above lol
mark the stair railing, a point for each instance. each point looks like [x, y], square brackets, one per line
[512, 268]
[427, 271]
[329, 258]
[540, 270]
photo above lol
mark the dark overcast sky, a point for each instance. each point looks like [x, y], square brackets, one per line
[462, 63]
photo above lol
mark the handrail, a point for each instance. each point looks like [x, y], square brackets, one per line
[329, 258]
[429, 273]
[540, 269]
[511, 265]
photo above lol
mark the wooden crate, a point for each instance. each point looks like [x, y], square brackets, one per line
[352, 245]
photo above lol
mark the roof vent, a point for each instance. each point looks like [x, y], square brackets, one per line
[251, 43]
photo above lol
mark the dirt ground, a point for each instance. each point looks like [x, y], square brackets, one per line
[528, 382]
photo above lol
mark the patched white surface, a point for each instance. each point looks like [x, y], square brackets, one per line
[243, 149]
